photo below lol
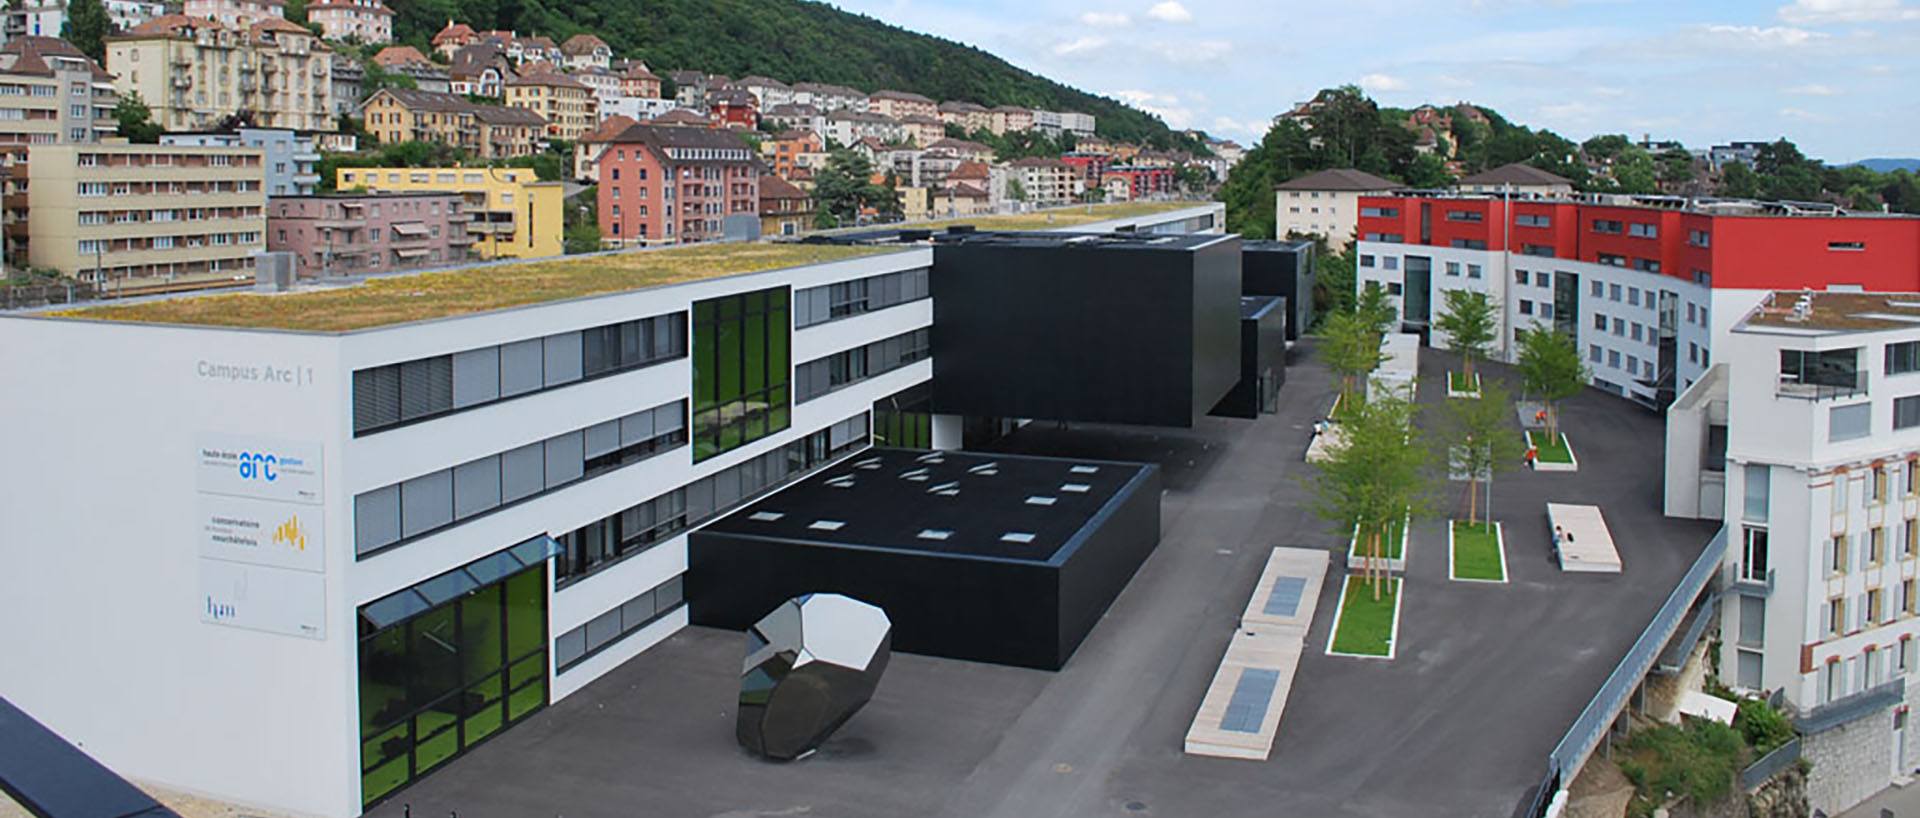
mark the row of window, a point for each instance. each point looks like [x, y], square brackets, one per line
[820, 376]
[1542, 310]
[1856, 421]
[574, 646]
[1836, 675]
[1453, 269]
[818, 305]
[394, 394]
[1632, 363]
[1627, 329]
[391, 515]
[616, 537]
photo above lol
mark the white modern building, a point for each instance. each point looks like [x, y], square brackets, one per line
[343, 540]
[1053, 122]
[1805, 438]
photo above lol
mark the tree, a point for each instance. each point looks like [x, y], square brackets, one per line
[1428, 171]
[1351, 349]
[1634, 172]
[582, 237]
[1194, 179]
[668, 88]
[87, 28]
[1468, 321]
[1550, 367]
[1371, 478]
[1375, 310]
[1738, 181]
[1334, 276]
[845, 188]
[1676, 166]
[135, 119]
[1479, 441]
[1016, 191]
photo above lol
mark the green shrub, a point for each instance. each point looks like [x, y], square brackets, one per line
[1764, 729]
[1699, 761]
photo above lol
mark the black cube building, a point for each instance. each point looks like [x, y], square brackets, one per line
[1283, 268]
[990, 558]
[1109, 328]
[1263, 358]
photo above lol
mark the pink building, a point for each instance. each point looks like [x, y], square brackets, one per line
[356, 233]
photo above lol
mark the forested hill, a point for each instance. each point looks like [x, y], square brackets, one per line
[789, 40]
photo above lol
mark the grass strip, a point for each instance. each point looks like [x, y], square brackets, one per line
[1476, 552]
[1366, 624]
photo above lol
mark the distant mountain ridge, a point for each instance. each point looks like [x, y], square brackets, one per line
[789, 40]
[1888, 165]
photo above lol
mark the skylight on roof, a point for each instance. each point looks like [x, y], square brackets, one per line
[932, 457]
[1075, 488]
[766, 516]
[826, 525]
[948, 489]
[1084, 469]
[869, 464]
[1041, 500]
[916, 475]
[938, 534]
[1022, 537]
[987, 469]
[844, 481]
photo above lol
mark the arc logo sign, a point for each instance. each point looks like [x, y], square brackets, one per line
[245, 466]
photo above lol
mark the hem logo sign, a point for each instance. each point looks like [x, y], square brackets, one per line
[219, 611]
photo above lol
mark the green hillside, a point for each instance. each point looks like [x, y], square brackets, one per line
[790, 40]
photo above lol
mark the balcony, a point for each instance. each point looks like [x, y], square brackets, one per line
[1820, 386]
[1748, 582]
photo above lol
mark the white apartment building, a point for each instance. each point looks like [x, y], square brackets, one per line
[1325, 204]
[1053, 122]
[1805, 438]
[846, 127]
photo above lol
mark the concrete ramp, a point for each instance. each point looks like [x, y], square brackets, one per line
[1587, 545]
[1240, 714]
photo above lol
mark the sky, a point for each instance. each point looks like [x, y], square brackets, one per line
[1841, 78]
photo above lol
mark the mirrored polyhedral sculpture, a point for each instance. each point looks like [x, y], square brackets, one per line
[811, 664]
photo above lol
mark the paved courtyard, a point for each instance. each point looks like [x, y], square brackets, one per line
[1486, 680]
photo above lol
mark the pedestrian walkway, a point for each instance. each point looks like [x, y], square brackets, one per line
[1240, 714]
[1585, 544]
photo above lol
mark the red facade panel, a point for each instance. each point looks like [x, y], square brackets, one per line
[1790, 252]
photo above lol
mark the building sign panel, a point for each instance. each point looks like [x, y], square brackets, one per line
[262, 598]
[260, 532]
[261, 468]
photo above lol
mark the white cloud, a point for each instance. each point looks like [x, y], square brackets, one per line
[1170, 11]
[1799, 113]
[1811, 90]
[1451, 82]
[1570, 111]
[1769, 37]
[1376, 83]
[1078, 45]
[1192, 52]
[1104, 19]
[1827, 12]
[1166, 106]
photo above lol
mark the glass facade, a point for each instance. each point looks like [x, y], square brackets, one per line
[904, 419]
[742, 367]
[446, 677]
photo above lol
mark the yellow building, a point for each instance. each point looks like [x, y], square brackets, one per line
[116, 212]
[567, 104]
[515, 215]
[395, 115]
[195, 72]
[38, 78]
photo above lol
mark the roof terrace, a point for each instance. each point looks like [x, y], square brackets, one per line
[395, 299]
[1830, 312]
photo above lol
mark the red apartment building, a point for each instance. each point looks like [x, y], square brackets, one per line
[1730, 246]
[1143, 181]
[675, 185]
[1092, 166]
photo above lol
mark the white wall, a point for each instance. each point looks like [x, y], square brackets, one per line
[101, 603]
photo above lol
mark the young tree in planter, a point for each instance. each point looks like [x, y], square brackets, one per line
[1478, 440]
[1467, 319]
[1372, 479]
[1375, 310]
[1550, 367]
[1351, 349]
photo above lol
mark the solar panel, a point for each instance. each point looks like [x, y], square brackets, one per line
[1251, 696]
[1284, 600]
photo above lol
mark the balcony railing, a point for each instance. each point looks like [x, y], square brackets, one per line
[1825, 387]
[1746, 584]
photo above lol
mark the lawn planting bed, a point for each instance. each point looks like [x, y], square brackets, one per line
[1476, 554]
[1393, 548]
[1364, 626]
[1554, 455]
[1461, 385]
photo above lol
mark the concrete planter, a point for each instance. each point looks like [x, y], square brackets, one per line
[1357, 558]
[1472, 390]
[1499, 542]
[1393, 640]
[1542, 465]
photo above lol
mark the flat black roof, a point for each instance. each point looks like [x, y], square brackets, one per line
[1272, 245]
[963, 234]
[959, 504]
[1254, 306]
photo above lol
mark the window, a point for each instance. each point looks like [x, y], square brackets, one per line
[1540, 280]
[1646, 265]
[816, 305]
[1529, 220]
[1620, 327]
[1837, 554]
[1910, 538]
[1473, 271]
[1846, 245]
[1645, 231]
[1877, 485]
[1593, 353]
[1758, 490]
[1453, 268]
[1526, 307]
[1366, 260]
[1613, 259]
[1599, 322]
[1836, 616]
[1835, 687]
[1464, 216]
[1753, 565]
[1393, 288]
[1598, 289]
[741, 365]
[1468, 244]
[1875, 613]
[1636, 330]
[1537, 250]
[1699, 238]
[1389, 262]
[818, 377]
[1613, 358]
[1380, 212]
[1849, 422]
[1903, 357]
[1607, 226]
[575, 646]
[1826, 373]
[1613, 292]
[1876, 546]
